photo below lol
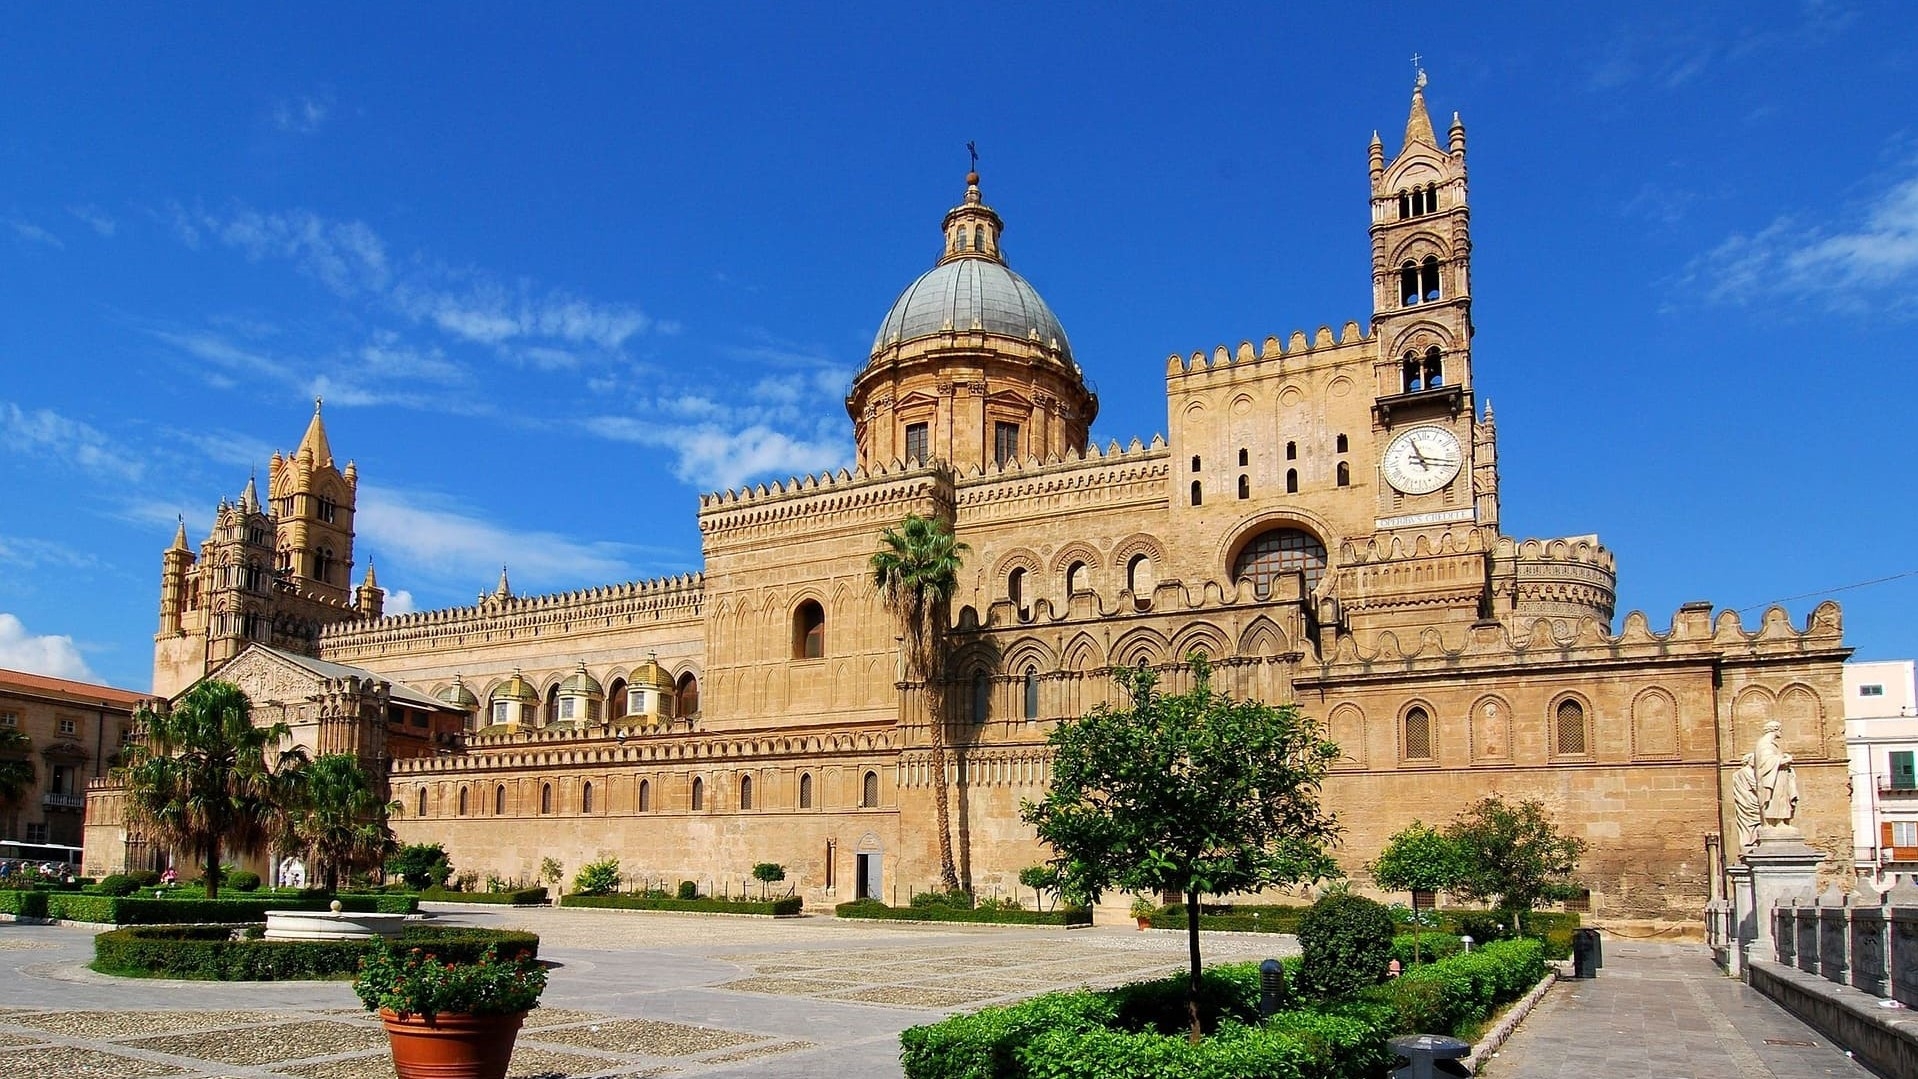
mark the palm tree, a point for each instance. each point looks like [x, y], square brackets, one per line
[16, 767]
[338, 816]
[916, 570]
[200, 778]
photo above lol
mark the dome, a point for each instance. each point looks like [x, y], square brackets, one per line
[517, 688]
[581, 684]
[971, 294]
[459, 696]
[650, 675]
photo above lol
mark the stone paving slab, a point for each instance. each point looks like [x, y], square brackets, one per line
[1664, 1010]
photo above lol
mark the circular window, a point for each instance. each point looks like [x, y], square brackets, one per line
[1279, 551]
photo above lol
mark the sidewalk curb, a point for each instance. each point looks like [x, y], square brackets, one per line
[1494, 1038]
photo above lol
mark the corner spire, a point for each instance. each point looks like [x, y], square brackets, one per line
[504, 590]
[314, 442]
[1418, 126]
[250, 498]
[972, 227]
[179, 537]
[372, 581]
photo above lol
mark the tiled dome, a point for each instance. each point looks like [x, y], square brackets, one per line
[971, 294]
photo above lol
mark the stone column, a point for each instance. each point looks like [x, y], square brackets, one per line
[1781, 865]
[1745, 917]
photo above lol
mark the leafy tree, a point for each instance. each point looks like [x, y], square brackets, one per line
[1513, 854]
[552, 871]
[1041, 879]
[768, 874]
[201, 779]
[1194, 792]
[1417, 859]
[420, 865]
[916, 570]
[1345, 944]
[598, 878]
[16, 767]
[338, 815]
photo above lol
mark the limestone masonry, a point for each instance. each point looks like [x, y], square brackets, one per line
[1322, 521]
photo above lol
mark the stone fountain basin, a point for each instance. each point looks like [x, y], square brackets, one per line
[330, 925]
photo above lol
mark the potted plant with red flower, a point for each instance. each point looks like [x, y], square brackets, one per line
[445, 1019]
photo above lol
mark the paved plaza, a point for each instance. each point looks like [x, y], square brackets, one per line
[632, 994]
[1664, 1011]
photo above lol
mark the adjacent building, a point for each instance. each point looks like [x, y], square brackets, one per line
[1881, 739]
[74, 732]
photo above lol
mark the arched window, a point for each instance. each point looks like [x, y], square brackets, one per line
[586, 798]
[869, 791]
[686, 695]
[499, 801]
[1410, 366]
[1343, 444]
[1195, 462]
[545, 797]
[1418, 734]
[1138, 576]
[1291, 481]
[1291, 451]
[1197, 498]
[462, 801]
[1434, 368]
[1408, 284]
[1245, 486]
[981, 697]
[805, 790]
[809, 631]
[1405, 206]
[961, 236]
[1032, 693]
[1245, 456]
[979, 239]
[552, 705]
[1429, 279]
[1345, 474]
[616, 698]
[1078, 578]
[1016, 588]
[745, 792]
[422, 809]
[1568, 728]
[645, 796]
[1280, 551]
[699, 793]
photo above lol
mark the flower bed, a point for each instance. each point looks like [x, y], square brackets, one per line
[784, 907]
[1139, 1030]
[209, 952]
[873, 908]
[518, 897]
[132, 910]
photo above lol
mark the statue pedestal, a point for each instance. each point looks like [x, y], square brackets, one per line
[1780, 865]
[1743, 920]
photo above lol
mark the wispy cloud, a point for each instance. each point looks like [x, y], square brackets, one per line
[436, 538]
[29, 232]
[96, 219]
[29, 553]
[1681, 46]
[47, 654]
[1869, 259]
[302, 115]
[45, 433]
[347, 257]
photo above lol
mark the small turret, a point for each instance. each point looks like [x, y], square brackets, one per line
[174, 565]
[250, 498]
[370, 598]
[1377, 158]
[1457, 137]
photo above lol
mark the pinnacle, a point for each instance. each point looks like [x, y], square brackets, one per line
[313, 443]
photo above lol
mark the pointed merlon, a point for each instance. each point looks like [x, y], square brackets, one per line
[313, 443]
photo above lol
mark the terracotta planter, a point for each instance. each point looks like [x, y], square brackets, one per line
[1145, 923]
[451, 1046]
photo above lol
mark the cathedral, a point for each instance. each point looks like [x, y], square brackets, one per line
[1321, 520]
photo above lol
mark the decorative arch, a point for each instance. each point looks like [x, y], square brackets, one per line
[1029, 651]
[1752, 708]
[1264, 637]
[1654, 725]
[1346, 726]
[1490, 725]
[1420, 336]
[1084, 654]
[1200, 637]
[1419, 247]
[1270, 553]
[1142, 645]
[1418, 733]
[1801, 720]
[1569, 726]
[1077, 551]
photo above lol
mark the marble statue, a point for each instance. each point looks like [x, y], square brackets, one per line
[1745, 805]
[1777, 783]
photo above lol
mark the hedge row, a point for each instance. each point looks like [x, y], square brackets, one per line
[1553, 927]
[1235, 918]
[128, 910]
[521, 897]
[1137, 1031]
[209, 952]
[783, 907]
[873, 908]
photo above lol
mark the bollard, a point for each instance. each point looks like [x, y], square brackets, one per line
[1587, 955]
[1271, 987]
[1429, 1056]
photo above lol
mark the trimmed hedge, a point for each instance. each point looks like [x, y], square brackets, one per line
[1484, 926]
[874, 909]
[132, 910]
[209, 952]
[783, 907]
[521, 897]
[1138, 1031]
[1245, 918]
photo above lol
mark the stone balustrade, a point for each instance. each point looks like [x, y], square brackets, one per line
[1865, 939]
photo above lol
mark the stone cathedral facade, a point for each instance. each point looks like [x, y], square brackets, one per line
[1321, 519]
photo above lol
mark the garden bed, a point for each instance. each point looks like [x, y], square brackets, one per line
[783, 907]
[134, 910]
[874, 909]
[212, 952]
[518, 897]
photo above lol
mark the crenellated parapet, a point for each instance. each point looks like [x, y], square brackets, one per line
[861, 491]
[1574, 577]
[1298, 352]
[1114, 476]
[562, 749]
[676, 598]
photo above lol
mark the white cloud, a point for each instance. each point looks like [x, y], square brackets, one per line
[435, 538]
[45, 433]
[348, 257]
[33, 553]
[1870, 259]
[96, 219]
[399, 601]
[712, 457]
[53, 655]
[303, 115]
[32, 233]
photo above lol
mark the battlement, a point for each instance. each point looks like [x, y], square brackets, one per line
[681, 596]
[551, 748]
[1573, 550]
[1297, 347]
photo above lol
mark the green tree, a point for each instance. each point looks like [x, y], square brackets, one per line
[201, 777]
[420, 865]
[1417, 859]
[916, 570]
[16, 767]
[338, 815]
[1041, 879]
[1512, 853]
[768, 874]
[598, 878]
[1193, 792]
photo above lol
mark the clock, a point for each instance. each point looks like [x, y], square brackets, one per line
[1422, 460]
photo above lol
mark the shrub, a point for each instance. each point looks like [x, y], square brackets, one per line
[145, 878]
[243, 880]
[1431, 946]
[412, 983]
[24, 904]
[208, 952]
[1457, 994]
[784, 906]
[1245, 918]
[688, 890]
[420, 865]
[116, 884]
[519, 897]
[875, 909]
[957, 899]
[598, 878]
[1345, 943]
[176, 910]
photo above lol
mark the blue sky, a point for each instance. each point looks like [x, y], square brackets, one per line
[559, 269]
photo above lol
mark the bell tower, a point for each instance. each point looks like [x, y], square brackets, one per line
[313, 504]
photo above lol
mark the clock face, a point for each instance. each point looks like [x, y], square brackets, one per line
[1422, 460]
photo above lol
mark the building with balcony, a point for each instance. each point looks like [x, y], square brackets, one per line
[1881, 740]
[68, 733]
